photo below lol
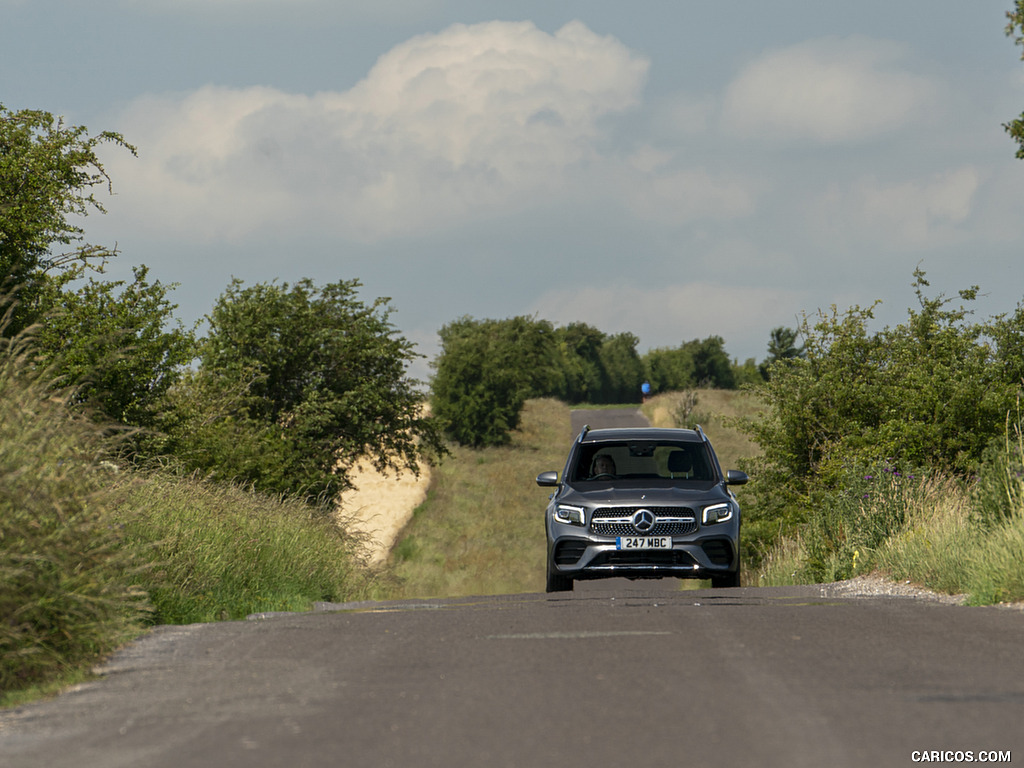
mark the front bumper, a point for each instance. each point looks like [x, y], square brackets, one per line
[597, 557]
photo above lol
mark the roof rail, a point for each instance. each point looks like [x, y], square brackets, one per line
[583, 433]
[700, 432]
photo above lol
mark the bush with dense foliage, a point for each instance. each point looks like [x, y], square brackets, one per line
[117, 343]
[485, 372]
[294, 385]
[927, 396]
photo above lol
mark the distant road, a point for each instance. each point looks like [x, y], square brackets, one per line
[600, 418]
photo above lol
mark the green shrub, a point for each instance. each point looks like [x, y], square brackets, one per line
[932, 392]
[485, 372]
[295, 384]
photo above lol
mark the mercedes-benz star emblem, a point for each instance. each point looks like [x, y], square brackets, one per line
[643, 520]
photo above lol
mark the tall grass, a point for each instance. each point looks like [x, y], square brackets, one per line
[222, 552]
[942, 533]
[67, 584]
[481, 529]
[90, 554]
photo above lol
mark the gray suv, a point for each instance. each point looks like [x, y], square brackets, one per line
[642, 503]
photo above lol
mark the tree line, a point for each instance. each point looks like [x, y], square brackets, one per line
[487, 369]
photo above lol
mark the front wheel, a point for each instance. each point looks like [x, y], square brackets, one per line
[556, 582]
[726, 581]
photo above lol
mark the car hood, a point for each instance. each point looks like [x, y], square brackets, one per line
[659, 497]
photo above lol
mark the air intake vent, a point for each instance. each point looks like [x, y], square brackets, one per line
[569, 552]
[719, 551]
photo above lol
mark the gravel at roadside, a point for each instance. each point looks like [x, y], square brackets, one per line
[874, 585]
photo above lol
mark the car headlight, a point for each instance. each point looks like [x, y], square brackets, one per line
[716, 513]
[570, 515]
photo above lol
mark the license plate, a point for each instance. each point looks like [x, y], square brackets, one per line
[643, 542]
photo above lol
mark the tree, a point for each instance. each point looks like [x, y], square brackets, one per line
[711, 365]
[695, 363]
[623, 369]
[670, 368]
[310, 379]
[746, 374]
[48, 173]
[1015, 29]
[579, 359]
[114, 343]
[782, 345]
[486, 371]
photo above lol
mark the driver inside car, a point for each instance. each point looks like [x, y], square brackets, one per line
[603, 465]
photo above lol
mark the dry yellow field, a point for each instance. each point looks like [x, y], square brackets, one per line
[380, 505]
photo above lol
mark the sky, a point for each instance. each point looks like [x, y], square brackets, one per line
[673, 168]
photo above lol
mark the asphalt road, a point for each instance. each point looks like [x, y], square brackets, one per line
[617, 673]
[613, 674]
[600, 418]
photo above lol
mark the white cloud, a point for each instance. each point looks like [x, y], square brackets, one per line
[830, 90]
[473, 120]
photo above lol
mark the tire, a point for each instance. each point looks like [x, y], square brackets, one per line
[726, 581]
[556, 582]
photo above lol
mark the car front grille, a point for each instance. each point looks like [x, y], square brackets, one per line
[668, 521]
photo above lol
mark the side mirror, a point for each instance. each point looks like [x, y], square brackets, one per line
[547, 479]
[735, 477]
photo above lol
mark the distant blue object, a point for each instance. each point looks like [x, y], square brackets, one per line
[645, 388]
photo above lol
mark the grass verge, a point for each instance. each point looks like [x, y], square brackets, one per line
[481, 529]
[219, 552]
[67, 593]
[932, 530]
[90, 555]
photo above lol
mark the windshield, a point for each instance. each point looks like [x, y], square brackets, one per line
[643, 461]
